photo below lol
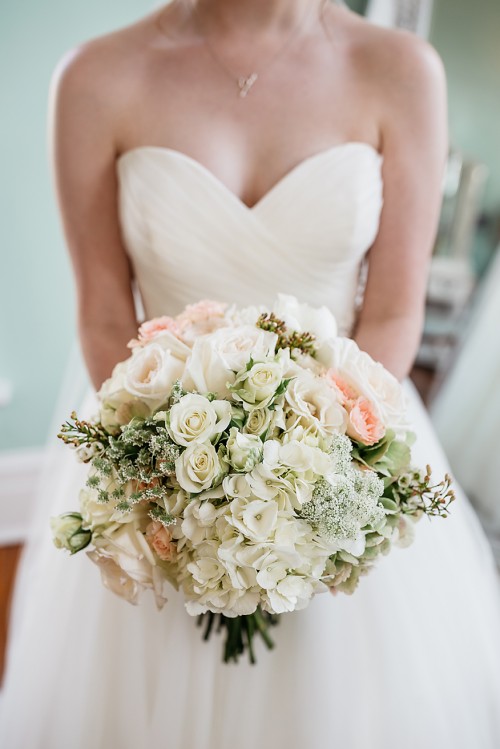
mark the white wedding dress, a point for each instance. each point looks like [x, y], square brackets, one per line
[410, 661]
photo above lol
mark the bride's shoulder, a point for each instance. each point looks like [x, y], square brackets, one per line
[101, 67]
[396, 61]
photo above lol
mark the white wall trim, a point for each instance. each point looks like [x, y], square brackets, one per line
[19, 475]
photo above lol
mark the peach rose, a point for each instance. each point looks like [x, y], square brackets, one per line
[346, 392]
[364, 424]
[160, 539]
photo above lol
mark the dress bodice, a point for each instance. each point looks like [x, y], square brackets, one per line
[189, 237]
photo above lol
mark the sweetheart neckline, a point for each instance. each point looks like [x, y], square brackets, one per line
[222, 185]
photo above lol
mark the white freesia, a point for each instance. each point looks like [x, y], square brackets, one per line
[197, 467]
[243, 450]
[151, 372]
[312, 405]
[305, 319]
[196, 419]
[216, 358]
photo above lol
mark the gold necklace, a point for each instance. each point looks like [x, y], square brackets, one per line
[246, 82]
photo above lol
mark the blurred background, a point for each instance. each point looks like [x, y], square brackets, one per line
[458, 366]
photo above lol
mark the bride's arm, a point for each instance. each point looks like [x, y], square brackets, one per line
[414, 128]
[82, 152]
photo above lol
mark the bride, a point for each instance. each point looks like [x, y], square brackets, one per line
[233, 150]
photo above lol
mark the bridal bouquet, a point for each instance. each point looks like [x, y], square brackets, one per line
[251, 458]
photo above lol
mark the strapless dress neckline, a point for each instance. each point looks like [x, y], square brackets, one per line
[189, 236]
[289, 175]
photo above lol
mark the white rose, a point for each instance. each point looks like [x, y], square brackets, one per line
[312, 404]
[197, 467]
[171, 343]
[305, 319]
[238, 316]
[368, 378]
[116, 405]
[216, 357]
[95, 513]
[256, 387]
[259, 420]
[243, 450]
[196, 419]
[151, 372]
[127, 563]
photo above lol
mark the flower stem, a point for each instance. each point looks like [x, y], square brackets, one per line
[239, 632]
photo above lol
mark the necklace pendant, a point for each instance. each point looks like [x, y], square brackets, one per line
[245, 83]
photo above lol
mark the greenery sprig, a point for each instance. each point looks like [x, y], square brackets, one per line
[76, 432]
[414, 494]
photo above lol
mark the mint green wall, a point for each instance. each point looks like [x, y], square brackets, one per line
[36, 288]
[467, 36]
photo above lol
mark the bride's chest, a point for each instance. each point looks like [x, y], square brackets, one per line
[327, 207]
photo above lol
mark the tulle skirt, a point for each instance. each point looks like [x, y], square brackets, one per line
[410, 661]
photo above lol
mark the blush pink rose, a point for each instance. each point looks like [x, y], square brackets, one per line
[160, 539]
[201, 311]
[200, 319]
[152, 328]
[364, 424]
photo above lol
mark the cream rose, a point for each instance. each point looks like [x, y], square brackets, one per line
[256, 387]
[313, 406]
[151, 372]
[258, 421]
[116, 405]
[127, 563]
[216, 357]
[197, 467]
[196, 419]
